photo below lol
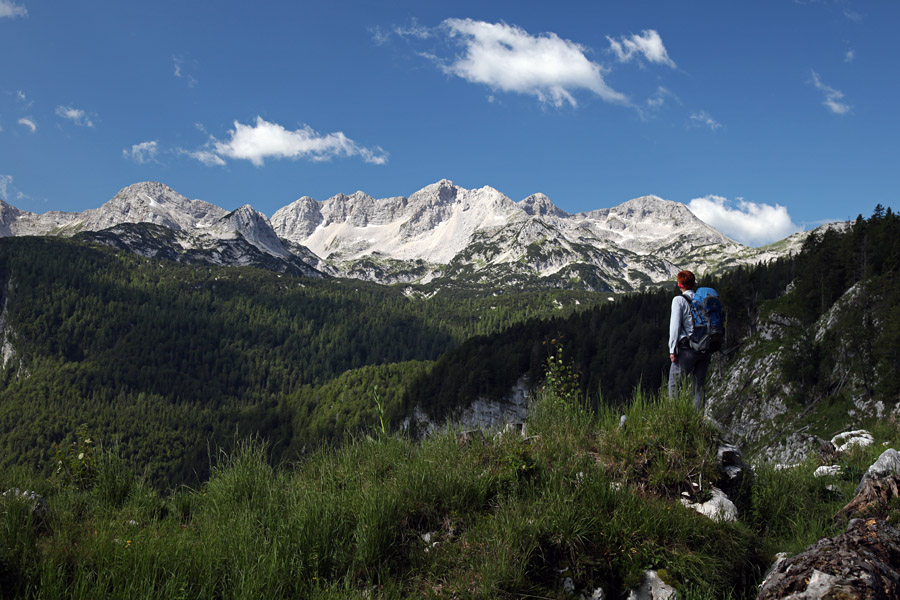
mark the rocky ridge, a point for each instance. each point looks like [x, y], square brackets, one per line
[480, 237]
[758, 398]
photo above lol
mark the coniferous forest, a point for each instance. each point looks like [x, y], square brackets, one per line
[170, 362]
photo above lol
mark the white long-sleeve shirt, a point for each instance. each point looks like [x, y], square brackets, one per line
[681, 323]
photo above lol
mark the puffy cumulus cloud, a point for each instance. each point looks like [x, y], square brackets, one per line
[509, 59]
[747, 222]
[648, 44]
[704, 119]
[76, 115]
[142, 153]
[833, 98]
[28, 123]
[270, 140]
[11, 9]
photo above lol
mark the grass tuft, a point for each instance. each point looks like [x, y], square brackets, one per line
[581, 498]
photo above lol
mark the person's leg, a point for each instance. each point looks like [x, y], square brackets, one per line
[674, 373]
[701, 366]
[687, 359]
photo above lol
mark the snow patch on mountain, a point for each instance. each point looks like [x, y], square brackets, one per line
[439, 231]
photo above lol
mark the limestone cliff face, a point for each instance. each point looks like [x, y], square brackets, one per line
[759, 396]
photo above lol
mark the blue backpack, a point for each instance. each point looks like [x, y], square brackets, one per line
[709, 321]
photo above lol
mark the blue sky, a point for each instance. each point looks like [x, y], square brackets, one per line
[765, 117]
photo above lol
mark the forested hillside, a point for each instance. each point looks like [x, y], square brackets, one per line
[169, 360]
[619, 346]
[613, 348]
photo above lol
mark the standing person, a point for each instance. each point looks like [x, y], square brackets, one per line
[685, 362]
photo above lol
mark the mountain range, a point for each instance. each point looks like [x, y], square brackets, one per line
[442, 233]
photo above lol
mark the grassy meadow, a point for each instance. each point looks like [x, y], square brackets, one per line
[511, 515]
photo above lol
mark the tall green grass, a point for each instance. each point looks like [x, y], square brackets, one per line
[504, 516]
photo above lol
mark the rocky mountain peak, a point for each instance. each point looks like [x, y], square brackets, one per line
[254, 227]
[451, 230]
[437, 194]
[8, 216]
[299, 219]
[650, 207]
[149, 202]
[539, 205]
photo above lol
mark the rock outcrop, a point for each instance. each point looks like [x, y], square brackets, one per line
[860, 563]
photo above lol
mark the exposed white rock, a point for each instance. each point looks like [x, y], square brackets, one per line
[440, 230]
[477, 229]
[887, 464]
[147, 202]
[780, 557]
[490, 415]
[7, 351]
[253, 226]
[718, 508]
[849, 439]
[760, 403]
[819, 585]
[653, 588]
[481, 415]
[827, 471]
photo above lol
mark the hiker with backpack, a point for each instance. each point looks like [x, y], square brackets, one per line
[696, 330]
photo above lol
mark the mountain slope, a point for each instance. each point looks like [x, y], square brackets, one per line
[441, 235]
[822, 357]
[482, 236]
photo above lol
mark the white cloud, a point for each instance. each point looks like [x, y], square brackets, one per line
[143, 152]
[705, 119]
[747, 222]
[180, 74]
[270, 140]
[648, 44]
[853, 15]
[29, 123]
[206, 156]
[508, 58]
[5, 181]
[850, 56]
[843, 5]
[413, 30]
[661, 96]
[379, 35]
[76, 115]
[833, 98]
[11, 9]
